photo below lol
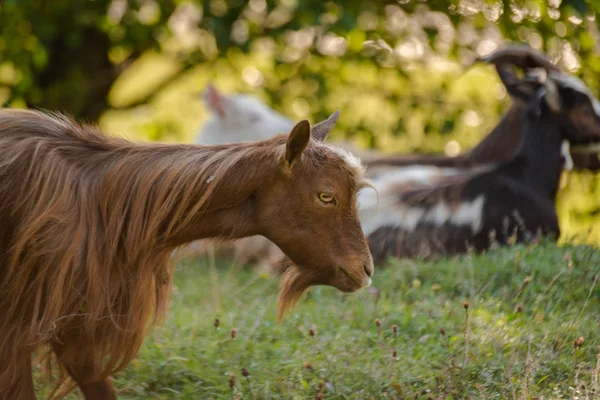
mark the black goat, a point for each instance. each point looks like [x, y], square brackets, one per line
[513, 201]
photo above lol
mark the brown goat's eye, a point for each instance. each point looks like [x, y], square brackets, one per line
[326, 197]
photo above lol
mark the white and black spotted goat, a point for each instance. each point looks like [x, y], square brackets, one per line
[455, 210]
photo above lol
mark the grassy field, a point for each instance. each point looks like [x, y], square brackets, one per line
[519, 323]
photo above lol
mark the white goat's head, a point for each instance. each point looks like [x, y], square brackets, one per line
[239, 118]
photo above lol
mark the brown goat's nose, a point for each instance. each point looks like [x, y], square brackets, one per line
[368, 269]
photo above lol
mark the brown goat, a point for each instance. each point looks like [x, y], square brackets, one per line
[89, 223]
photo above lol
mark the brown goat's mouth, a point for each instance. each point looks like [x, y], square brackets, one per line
[360, 283]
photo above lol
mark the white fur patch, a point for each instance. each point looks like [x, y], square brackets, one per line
[382, 208]
[351, 160]
[596, 105]
[577, 84]
[566, 153]
[421, 174]
[571, 81]
[470, 213]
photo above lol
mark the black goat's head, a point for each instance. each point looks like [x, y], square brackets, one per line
[565, 96]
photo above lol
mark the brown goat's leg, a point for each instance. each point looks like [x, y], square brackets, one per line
[22, 387]
[99, 390]
[102, 390]
[81, 373]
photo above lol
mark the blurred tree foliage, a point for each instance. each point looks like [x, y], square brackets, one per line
[67, 54]
[396, 69]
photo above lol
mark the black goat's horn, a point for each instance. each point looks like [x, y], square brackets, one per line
[505, 60]
[520, 56]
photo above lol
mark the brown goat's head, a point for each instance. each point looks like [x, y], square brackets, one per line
[310, 212]
[576, 110]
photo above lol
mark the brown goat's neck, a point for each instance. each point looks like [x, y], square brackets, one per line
[190, 192]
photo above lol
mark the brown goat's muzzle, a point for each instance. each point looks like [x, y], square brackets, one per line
[350, 278]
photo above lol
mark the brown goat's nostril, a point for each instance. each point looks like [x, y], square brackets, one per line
[368, 270]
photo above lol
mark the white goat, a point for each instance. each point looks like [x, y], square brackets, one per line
[239, 118]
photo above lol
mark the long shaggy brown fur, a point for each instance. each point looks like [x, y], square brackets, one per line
[78, 251]
[81, 261]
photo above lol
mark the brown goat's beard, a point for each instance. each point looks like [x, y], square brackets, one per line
[294, 282]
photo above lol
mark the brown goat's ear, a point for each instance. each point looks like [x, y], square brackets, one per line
[297, 142]
[322, 129]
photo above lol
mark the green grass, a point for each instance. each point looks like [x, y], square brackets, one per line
[526, 308]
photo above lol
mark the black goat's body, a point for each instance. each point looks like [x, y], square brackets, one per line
[512, 202]
[514, 208]
[510, 212]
